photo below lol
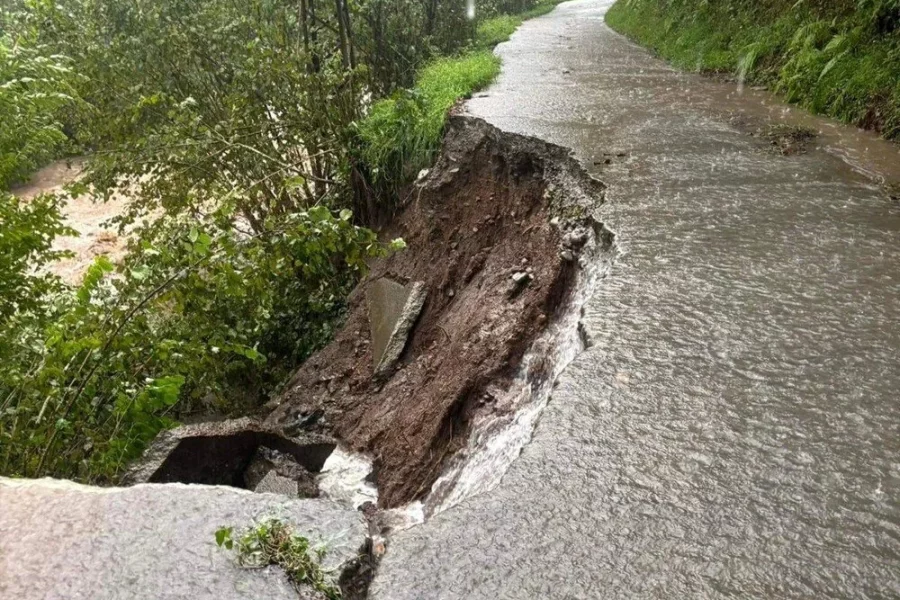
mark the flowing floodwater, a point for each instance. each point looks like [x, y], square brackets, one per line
[734, 428]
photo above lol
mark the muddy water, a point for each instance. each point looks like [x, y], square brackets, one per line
[734, 430]
[83, 214]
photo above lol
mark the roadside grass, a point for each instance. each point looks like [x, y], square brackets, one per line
[499, 29]
[402, 134]
[840, 63]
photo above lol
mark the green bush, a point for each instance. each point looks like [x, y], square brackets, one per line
[35, 86]
[200, 317]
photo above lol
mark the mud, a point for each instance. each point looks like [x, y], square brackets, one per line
[494, 232]
[779, 138]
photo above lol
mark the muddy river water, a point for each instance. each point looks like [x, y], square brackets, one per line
[734, 428]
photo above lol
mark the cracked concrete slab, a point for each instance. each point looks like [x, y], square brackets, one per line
[61, 540]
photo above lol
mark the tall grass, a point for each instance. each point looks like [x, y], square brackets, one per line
[402, 134]
[499, 29]
[837, 58]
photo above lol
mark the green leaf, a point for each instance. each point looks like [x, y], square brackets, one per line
[105, 264]
[319, 214]
[831, 64]
[292, 183]
[140, 273]
[223, 536]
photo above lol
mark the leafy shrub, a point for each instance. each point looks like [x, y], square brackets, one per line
[199, 317]
[26, 238]
[35, 85]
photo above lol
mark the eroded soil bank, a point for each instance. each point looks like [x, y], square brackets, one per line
[494, 233]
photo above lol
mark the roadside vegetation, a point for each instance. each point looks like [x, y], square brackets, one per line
[835, 57]
[273, 542]
[256, 142]
[402, 133]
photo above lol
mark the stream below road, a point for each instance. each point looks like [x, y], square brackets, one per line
[733, 427]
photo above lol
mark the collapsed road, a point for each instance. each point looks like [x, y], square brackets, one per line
[663, 368]
[734, 428]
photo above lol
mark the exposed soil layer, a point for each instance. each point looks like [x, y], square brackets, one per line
[493, 232]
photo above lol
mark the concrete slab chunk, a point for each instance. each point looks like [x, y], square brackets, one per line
[218, 453]
[393, 310]
[60, 540]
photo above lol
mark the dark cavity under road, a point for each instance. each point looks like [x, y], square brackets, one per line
[734, 430]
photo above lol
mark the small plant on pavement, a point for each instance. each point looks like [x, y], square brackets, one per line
[275, 543]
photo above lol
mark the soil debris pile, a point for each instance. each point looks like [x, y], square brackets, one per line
[494, 234]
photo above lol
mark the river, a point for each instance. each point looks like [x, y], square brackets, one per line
[734, 428]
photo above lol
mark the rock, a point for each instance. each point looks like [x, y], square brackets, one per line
[423, 174]
[274, 472]
[520, 281]
[62, 541]
[393, 310]
[555, 221]
[273, 483]
[576, 238]
[567, 255]
[219, 453]
[309, 419]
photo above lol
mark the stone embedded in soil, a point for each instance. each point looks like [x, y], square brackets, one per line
[60, 541]
[219, 453]
[393, 310]
[520, 281]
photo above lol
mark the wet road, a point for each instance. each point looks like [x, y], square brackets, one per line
[735, 429]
